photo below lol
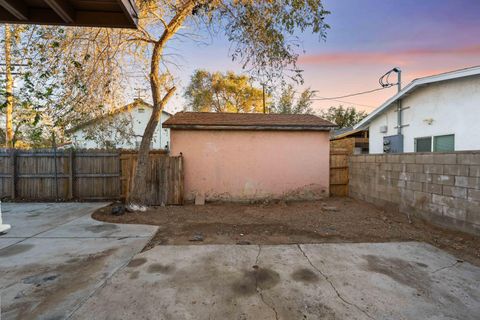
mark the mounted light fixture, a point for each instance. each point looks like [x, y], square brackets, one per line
[428, 121]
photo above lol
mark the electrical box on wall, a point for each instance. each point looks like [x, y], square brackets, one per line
[383, 129]
[393, 144]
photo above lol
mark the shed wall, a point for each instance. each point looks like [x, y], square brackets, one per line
[247, 165]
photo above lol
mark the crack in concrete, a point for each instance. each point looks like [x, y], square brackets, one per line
[102, 284]
[332, 285]
[448, 267]
[258, 289]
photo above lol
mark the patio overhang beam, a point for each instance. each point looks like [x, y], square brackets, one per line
[108, 13]
[18, 9]
[62, 9]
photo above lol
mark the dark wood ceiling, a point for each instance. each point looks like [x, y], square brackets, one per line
[87, 13]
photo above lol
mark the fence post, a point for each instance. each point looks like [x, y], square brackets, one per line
[181, 179]
[13, 171]
[55, 165]
[70, 178]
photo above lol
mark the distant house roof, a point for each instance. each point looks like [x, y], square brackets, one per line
[416, 84]
[345, 132]
[341, 132]
[247, 121]
[104, 13]
[129, 107]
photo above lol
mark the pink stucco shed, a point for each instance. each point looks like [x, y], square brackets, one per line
[246, 165]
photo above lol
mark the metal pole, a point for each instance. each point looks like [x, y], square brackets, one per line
[399, 84]
[55, 164]
[399, 102]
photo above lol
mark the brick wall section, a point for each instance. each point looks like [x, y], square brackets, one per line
[443, 188]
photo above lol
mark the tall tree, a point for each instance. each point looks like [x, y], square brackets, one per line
[218, 92]
[343, 117]
[263, 37]
[67, 76]
[287, 104]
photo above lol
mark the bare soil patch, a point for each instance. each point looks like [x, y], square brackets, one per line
[331, 220]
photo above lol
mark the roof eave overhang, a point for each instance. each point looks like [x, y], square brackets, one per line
[247, 128]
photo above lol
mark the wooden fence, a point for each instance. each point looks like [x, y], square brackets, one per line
[339, 172]
[85, 175]
[164, 178]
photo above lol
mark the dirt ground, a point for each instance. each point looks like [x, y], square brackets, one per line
[333, 220]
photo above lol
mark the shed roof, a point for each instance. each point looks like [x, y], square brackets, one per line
[414, 85]
[247, 121]
[87, 13]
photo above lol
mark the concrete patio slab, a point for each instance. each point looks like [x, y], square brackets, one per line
[321, 281]
[9, 241]
[29, 219]
[48, 274]
[86, 227]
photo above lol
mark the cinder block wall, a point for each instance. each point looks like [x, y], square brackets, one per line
[443, 188]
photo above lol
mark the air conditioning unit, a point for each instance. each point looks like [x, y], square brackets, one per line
[383, 129]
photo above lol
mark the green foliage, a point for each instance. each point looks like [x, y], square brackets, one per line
[72, 71]
[343, 117]
[287, 104]
[264, 33]
[219, 92]
[59, 84]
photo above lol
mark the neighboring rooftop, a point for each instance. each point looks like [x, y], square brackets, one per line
[247, 121]
[86, 13]
[138, 103]
[415, 84]
[346, 132]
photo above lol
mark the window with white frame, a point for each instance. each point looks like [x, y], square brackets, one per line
[423, 144]
[443, 143]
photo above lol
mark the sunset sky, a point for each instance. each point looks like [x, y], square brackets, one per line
[366, 39]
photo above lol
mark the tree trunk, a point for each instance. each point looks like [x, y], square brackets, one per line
[8, 88]
[139, 188]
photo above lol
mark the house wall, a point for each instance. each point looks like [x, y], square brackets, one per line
[245, 165]
[453, 105]
[443, 188]
[138, 121]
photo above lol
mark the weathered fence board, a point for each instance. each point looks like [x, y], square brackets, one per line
[164, 178]
[339, 172]
[86, 175]
[59, 175]
[96, 175]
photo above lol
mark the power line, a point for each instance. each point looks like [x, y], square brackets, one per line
[352, 94]
[341, 101]
[350, 102]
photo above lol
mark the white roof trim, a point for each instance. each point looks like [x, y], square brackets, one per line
[413, 85]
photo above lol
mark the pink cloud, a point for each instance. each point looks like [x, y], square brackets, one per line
[399, 58]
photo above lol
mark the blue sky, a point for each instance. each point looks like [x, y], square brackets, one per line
[366, 39]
